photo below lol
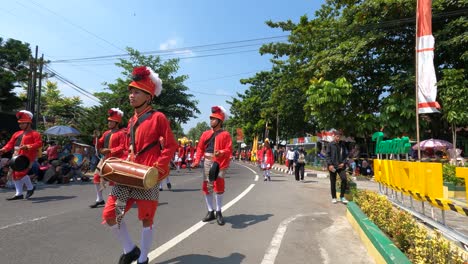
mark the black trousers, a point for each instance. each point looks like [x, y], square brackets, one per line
[299, 171]
[344, 182]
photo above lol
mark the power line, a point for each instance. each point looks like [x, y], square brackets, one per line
[76, 25]
[171, 51]
[72, 85]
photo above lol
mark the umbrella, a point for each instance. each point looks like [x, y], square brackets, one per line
[433, 144]
[62, 131]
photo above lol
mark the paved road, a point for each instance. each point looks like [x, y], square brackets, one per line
[281, 221]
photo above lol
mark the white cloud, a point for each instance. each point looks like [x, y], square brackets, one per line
[172, 44]
[169, 44]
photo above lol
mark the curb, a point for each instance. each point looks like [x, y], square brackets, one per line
[379, 246]
[321, 175]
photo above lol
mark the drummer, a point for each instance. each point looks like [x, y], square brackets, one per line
[26, 142]
[145, 128]
[111, 144]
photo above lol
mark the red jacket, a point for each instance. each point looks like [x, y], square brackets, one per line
[151, 129]
[267, 156]
[33, 140]
[223, 144]
[117, 143]
[181, 151]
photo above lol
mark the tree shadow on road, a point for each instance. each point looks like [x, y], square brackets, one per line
[51, 198]
[234, 258]
[245, 220]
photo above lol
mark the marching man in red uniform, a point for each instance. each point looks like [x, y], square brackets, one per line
[190, 151]
[267, 160]
[111, 144]
[215, 145]
[145, 128]
[25, 142]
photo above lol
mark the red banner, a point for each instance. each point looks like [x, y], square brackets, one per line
[240, 135]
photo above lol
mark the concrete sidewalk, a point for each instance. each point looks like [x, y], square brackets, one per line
[453, 220]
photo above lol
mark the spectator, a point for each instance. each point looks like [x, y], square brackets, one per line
[52, 151]
[299, 161]
[336, 162]
[366, 170]
[290, 158]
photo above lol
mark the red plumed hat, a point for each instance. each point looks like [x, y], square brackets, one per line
[145, 79]
[115, 114]
[218, 112]
[24, 116]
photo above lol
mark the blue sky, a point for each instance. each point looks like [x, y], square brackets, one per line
[90, 28]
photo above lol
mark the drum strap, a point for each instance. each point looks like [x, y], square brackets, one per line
[209, 144]
[133, 128]
[19, 139]
[107, 139]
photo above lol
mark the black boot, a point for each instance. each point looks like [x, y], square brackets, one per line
[30, 192]
[209, 216]
[219, 218]
[130, 256]
[96, 204]
[16, 197]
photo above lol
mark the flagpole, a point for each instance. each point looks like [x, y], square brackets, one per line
[416, 82]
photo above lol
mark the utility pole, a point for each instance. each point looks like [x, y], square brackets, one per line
[38, 111]
[31, 104]
[277, 129]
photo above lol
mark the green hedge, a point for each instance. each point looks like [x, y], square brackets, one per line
[410, 237]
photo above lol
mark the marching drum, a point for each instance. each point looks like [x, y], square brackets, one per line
[129, 173]
[19, 163]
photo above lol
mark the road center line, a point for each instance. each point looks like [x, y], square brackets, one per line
[171, 243]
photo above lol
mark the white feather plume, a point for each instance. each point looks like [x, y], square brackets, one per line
[156, 80]
[27, 112]
[118, 111]
[224, 112]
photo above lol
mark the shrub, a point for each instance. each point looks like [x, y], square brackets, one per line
[448, 172]
[410, 237]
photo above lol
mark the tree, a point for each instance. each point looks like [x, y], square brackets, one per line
[14, 56]
[195, 132]
[58, 109]
[370, 44]
[454, 97]
[174, 100]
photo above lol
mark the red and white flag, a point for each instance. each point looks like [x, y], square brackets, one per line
[427, 89]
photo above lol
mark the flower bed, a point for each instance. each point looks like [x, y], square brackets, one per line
[411, 238]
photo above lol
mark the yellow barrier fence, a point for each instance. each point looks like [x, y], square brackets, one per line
[422, 180]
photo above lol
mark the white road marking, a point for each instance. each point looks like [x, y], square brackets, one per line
[254, 172]
[275, 244]
[24, 222]
[171, 243]
[273, 249]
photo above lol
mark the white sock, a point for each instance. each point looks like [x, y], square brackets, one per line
[219, 202]
[123, 236]
[18, 187]
[98, 193]
[27, 181]
[146, 241]
[209, 201]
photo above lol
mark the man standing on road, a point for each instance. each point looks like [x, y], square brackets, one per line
[25, 142]
[215, 145]
[336, 162]
[145, 128]
[111, 144]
